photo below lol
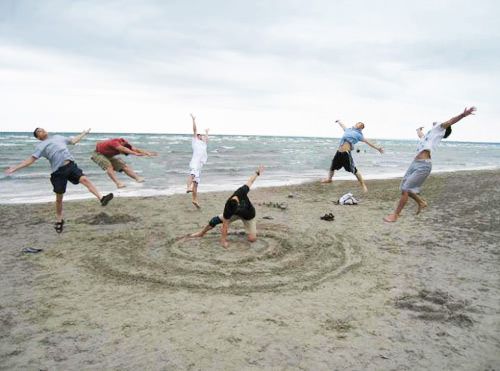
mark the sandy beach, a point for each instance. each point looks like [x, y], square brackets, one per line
[121, 289]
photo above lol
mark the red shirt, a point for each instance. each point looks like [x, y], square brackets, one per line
[108, 147]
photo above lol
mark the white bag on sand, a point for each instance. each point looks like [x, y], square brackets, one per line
[348, 199]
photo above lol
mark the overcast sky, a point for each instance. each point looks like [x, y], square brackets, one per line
[250, 67]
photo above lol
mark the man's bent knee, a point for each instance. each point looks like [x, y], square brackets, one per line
[252, 238]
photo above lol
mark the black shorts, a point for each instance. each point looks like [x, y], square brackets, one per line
[343, 160]
[60, 177]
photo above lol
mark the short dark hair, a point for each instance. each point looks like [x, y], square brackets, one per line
[34, 132]
[447, 132]
[230, 208]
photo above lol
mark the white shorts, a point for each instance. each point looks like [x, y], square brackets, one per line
[196, 175]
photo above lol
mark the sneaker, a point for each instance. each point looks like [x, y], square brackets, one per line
[105, 199]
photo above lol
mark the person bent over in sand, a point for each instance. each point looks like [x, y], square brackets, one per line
[421, 166]
[105, 156]
[64, 168]
[199, 144]
[238, 206]
[343, 157]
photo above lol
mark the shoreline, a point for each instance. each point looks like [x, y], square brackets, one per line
[136, 193]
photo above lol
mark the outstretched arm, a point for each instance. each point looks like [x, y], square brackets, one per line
[380, 149]
[454, 120]
[206, 136]
[144, 152]
[341, 124]
[420, 132]
[194, 124]
[127, 151]
[25, 163]
[259, 171]
[79, 137]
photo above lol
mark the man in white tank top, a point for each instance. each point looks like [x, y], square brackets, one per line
[200, 157]
[421, 166]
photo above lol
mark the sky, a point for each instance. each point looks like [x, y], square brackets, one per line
[281, 67]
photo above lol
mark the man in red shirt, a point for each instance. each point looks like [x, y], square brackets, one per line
[104, 156]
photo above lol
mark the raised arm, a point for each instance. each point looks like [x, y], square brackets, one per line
[30, 160]
[380, 149]
[206, 136]
[420, 132]
[340, 124]
[259, 171]
[194, 124]
[79, 137]
[454, 120]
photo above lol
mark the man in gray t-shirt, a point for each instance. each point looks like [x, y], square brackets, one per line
[55, 149]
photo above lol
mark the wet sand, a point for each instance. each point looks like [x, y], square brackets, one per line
[121, 289]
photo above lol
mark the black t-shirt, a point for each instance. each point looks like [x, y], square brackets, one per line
[245, 209]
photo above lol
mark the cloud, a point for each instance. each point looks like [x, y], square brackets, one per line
[280, 67]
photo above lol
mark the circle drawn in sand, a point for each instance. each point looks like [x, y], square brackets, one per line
[280, 259]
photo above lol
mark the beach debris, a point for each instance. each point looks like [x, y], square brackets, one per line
[267, 217]
[276, 205]
[31, 250]
[293, 195]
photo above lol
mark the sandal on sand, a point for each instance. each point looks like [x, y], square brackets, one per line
[105, 199]
[328, 217]
[31, 250]
[59, 226]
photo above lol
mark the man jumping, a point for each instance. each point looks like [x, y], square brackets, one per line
[55, 149]
[343, 157]
[421, 166]
[105, 155]
[199, 144]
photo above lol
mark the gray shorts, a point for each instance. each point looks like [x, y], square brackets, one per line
[416, 175]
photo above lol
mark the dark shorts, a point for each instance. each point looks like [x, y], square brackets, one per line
[60, 177]
[343, 160]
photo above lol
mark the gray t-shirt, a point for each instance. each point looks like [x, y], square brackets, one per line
[55, 150]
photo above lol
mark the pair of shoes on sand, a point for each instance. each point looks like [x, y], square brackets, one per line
[328, 217]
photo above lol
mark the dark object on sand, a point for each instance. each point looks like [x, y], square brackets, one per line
[31, 250]
[59, 226]
[328, 217]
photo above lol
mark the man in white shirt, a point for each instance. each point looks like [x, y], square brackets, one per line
[200, 157]
[421, 166]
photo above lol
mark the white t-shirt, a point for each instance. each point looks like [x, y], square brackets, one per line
[430, 141]
[200, 156]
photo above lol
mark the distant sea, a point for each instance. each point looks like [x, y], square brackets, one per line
[231, 159]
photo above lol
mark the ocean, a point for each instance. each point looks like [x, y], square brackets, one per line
[231, 160]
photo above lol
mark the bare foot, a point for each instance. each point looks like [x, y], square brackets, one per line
[421, 206]
[140, 179]
[120, 185]
[197, 234]
[196, 203]
[391, 218]
[326, 180]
